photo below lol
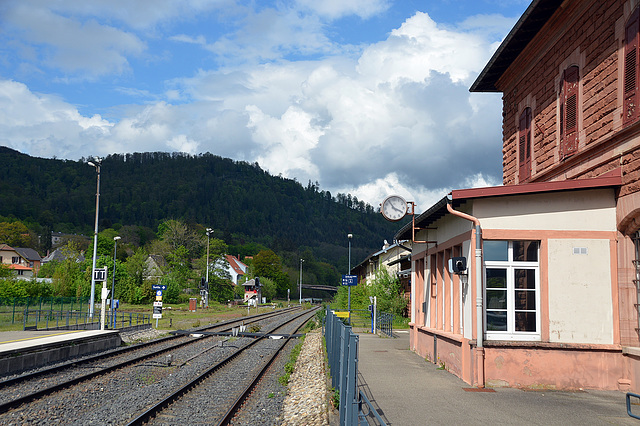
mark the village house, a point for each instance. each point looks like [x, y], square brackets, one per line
[25, 262]
[549, 294]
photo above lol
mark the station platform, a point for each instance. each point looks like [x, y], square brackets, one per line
[24, 350]
[406, 389]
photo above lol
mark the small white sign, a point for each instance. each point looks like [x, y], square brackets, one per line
[157, 304]
[100, 274]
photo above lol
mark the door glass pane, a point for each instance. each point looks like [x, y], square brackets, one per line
[496, 278]
[496, 321]
[496, 299]
[525, 278]
[525, 299]
[525, 251]
[495, 250]
[525, 321]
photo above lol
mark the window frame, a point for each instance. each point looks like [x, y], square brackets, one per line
[631, 76]
[569, 111]
[511, 266]
[525, 144]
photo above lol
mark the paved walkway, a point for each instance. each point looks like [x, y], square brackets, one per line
[407, 390]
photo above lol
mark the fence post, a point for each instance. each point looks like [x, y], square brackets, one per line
[13, 316]
[352, 380]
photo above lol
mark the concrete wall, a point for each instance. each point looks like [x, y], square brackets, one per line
[580, 296]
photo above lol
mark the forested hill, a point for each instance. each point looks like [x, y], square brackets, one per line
[237, 198]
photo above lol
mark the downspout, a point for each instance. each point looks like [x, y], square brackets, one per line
[479, 314]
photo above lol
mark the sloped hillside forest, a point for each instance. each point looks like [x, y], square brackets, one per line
[146, 198]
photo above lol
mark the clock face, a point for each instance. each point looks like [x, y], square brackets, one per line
[394, 208]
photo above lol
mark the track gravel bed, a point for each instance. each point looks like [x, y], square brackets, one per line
[117, 396]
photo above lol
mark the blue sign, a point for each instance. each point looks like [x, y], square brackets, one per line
[349, 280]
[158, 287]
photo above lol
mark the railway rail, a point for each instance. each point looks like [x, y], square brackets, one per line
[16, 393]
[219, 392]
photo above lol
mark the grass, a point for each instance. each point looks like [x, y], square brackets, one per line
[174, 316]
[291, 364]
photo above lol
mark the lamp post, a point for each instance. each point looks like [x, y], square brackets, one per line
[206, 289]
[301, 261]
[97, 163]
[349, 236]
[113, 281]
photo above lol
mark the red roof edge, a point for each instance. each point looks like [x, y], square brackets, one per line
[611, 178]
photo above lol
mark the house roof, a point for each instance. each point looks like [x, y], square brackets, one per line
[460, 196]
[28, 253]
[236, 265]
[19, 267]
[527, 27]
[6, 247]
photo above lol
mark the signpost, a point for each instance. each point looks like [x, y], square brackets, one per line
[157, 305]
[100, 274]
[350, 280]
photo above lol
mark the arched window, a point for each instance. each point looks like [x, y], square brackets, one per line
[524, 145]
[631, 77]
[569, 103]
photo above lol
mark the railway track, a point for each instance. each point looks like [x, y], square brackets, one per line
[217, 395]
[21, 393]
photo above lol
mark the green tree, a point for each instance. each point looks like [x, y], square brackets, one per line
[133, 285]
[69, 276]
[267, 264]
[15, 234]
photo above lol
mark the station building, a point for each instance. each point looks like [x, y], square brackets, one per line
[550, 294]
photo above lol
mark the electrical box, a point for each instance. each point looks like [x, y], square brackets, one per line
[458, 265]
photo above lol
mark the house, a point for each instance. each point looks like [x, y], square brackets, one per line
[395, 258]
[155, 267]
[549, 294]
[24, 261]
[235, 268]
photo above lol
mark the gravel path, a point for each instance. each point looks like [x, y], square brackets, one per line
[307, 401]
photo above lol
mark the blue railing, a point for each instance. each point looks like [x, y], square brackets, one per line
[384, 323]
[46, 319]
[629, 403]
[342, 354]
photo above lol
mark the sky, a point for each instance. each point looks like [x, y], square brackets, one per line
[366, 97]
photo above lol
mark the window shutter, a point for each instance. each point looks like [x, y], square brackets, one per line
[524, 145]
[570, 119]
[631, 59]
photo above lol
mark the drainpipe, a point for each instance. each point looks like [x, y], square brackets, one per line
[479, 316]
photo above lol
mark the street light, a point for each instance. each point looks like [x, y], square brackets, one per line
[97, 163]
[113, 281]
[301, 261]
[349, 236]
[206, 289]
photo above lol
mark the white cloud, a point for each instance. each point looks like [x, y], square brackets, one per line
[334, 9]
[398, 119]
[87, 48]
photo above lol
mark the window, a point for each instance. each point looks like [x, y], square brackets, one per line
[15, 259]
[631, 58]
[512, 290]
[524, 145]
[569, 103]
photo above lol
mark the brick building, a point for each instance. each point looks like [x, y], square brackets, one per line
[550, 298]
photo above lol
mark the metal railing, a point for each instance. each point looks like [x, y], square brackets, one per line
[12, 308]
[37, 319]
[384, 323]
[342, 354]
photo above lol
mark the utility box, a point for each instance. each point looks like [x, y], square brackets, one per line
[193, 303]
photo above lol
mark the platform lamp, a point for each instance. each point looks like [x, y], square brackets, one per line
[113, 281]
[301, 261]
[97, 163]
[349, 236]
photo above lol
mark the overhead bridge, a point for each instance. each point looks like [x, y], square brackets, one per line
[320, 287]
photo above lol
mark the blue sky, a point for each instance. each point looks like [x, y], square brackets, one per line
[368, 97]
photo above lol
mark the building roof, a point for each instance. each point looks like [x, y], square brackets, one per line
[28, 253]
[6, 247]
[460, 196]
[19, 267]
[237, 266]
[527, 27]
